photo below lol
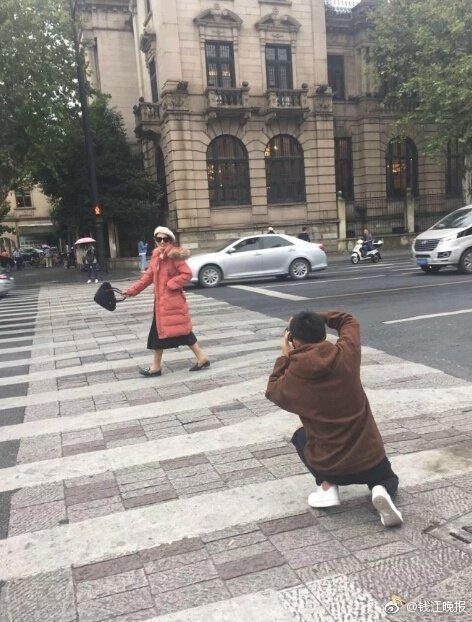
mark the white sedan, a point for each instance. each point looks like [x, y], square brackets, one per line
[258, 256]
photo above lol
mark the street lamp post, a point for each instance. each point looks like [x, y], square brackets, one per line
[96, 207]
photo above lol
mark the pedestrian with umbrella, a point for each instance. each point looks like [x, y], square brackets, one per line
[89, 259]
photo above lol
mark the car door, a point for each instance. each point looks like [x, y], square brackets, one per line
[245, 258]
[276, 252]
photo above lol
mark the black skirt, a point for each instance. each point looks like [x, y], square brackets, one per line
[154, 342]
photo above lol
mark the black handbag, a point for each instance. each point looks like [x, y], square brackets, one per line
[105, 296]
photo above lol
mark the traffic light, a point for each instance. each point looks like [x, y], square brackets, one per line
[97, 210]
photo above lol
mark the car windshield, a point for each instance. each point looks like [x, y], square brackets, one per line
[456, 220]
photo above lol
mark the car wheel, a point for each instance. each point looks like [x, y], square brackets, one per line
[354, 259]
[210, 276]
[465, 263]
[299, 269]
[431, 269]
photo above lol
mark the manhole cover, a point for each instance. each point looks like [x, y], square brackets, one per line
[456, 532]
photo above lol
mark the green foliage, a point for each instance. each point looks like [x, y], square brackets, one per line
[423, 51]
[37, 84]
[127, 195]
[4, 209]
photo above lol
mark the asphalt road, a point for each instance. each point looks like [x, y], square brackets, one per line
[378, 293]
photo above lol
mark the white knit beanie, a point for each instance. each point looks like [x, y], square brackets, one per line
[164, 231]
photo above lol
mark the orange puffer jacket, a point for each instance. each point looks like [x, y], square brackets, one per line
[169, 274]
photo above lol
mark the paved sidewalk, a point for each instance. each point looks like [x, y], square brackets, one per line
[181, 498]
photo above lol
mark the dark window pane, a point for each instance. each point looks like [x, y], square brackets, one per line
[282, 53]
[220, 64]
[454, 169]
[279, 67]
[228, 172]
[401, 167]
[23, 198]
[153, 80]
[224, 51]
[343, 164]
[274, 241]
[336, 79]
[285, 170]
[283, 78]
[251, 244]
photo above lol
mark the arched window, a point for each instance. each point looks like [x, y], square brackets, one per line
[402, 167]
[285, 170]
[228, 172]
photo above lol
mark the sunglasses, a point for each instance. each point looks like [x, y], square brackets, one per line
[159, 240]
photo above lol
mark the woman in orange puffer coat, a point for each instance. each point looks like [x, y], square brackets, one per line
[172, 325]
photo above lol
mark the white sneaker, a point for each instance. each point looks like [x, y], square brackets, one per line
[96, 280]
[324, 498]
[382, 502]
[89, 281]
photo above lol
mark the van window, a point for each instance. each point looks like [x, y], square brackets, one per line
[458, 219]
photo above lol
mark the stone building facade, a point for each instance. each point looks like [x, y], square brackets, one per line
[30, 220]
[257, 113]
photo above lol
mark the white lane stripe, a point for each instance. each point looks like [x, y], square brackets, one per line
[264, 606]
[119, 386]
[143, 528]
[319, 282]
[206, 399]
[391, 289]
[268, 292]
[118, 347]
[415, 318]
[241, 317]
[89, 368]
[381, 400]
[78, 313]
[111, 347]
[265, 429]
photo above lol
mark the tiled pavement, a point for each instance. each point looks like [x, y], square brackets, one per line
[181, 498]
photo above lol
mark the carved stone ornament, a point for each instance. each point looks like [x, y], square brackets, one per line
[275, 21]
[218, 17]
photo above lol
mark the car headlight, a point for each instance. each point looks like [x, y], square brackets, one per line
[448, 240]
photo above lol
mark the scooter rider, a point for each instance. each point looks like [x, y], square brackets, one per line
[367, 244]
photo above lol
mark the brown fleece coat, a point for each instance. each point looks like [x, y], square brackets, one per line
[321, 384]
[169, 272]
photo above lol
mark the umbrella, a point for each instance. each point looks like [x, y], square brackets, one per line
[84, 241]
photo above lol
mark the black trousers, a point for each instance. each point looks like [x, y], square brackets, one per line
[381, 473]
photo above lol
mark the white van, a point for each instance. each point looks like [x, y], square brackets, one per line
[447, 243]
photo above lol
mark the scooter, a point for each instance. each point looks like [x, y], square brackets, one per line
[373, 255]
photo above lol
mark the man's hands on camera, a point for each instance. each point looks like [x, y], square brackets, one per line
[287, 346]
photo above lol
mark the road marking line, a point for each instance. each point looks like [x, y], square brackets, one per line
[89, 368]
[322, 281]
[390, 289]
[273, 427]
[415, 318]
[122, 533]
[268, 292]
[258, 356]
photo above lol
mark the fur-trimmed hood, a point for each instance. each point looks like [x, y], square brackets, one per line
[179, 252]
[174, 252]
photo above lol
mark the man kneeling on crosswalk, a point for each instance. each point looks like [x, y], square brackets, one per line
[320, 382]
